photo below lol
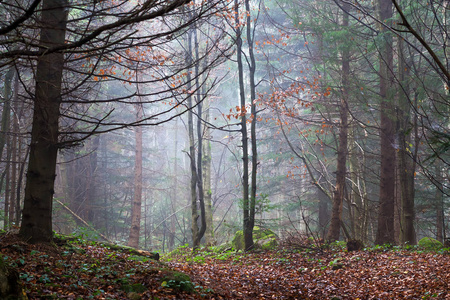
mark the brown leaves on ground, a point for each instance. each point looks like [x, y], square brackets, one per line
[393, 274]
[83, 270]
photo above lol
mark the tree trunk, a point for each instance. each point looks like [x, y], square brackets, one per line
[385, 227]
[324, 216]
[209, 234]
[201, 194]
[7, 220]
[133, 240]
[406, 164]
[439, 198]
[173, 218]
[359, 207]
[5, 140]
[20, 161]
[6, 108]
[192, 157]
[13, 177]
[37, 212]
[248, 234]
[342, 152]
[252, 70]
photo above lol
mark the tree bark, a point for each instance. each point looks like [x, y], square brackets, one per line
[209, 233]
[439, 198]
[385, 226]
[5, 140]
[173, 218]
[360, 213]
[248, 238]
[342, 152]
[406, 157]
[324, 215]
[133, 240]
[252, 69]
[192, 157]
[37, 212]
[6, 108]
[201, 194]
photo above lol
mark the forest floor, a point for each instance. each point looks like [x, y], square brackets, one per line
[88, 270]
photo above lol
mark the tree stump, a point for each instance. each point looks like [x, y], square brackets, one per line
[354, 245]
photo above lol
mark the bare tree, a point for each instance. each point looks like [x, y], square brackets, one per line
[73, 55]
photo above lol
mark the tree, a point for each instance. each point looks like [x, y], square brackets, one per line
[248, 192]
[37, 211]
[104, 40]
[385, 229]
[135, 229]
[248, 230]
[342, 151]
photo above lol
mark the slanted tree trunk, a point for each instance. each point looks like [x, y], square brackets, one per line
[342, 152]
[37, 212]
[385, 227]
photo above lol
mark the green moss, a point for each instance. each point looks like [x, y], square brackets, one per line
[269, 244]
[176, 280]
[136, 288]
[238, 240]
[263, 239]
[221, 248]
[428, 243]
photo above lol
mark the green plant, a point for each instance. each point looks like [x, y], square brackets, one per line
[199, 259]
[176, 280]
[225, 255]
[83, 233]
[384, 247]
[338, 245]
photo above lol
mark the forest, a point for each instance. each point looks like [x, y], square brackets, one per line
[230, 125]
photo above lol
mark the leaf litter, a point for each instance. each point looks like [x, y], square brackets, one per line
[88, 270]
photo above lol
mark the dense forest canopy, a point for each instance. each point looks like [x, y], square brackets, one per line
[163, 123]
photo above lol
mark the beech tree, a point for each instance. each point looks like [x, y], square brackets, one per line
[249, 176]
